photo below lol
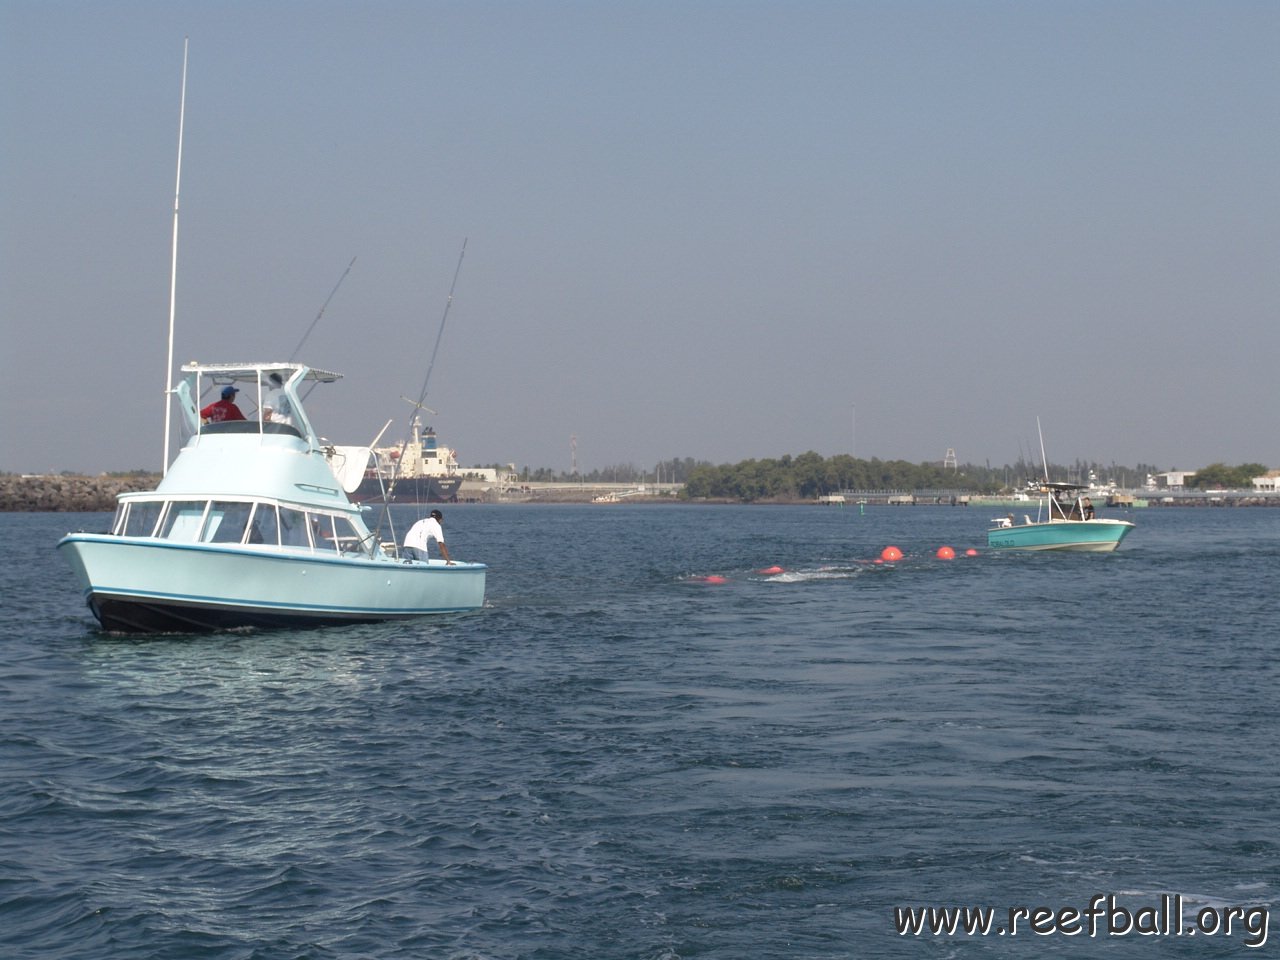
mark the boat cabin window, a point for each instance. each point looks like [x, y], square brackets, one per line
[347, 536]
[140, 518]
[334, 533]
[235, 521]
[322, 532]
[183, 520]
[227, 521]
[293, 528]
[264, 527]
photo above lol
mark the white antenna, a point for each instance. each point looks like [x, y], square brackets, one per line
[173, 273]
[1043, 459]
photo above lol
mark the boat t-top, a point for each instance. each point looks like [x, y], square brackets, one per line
[252, 525]
[1071, 524]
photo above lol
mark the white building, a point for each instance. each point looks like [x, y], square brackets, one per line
[1267, 483]
[1174, 479]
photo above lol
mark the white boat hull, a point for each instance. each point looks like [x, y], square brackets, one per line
[148, 584]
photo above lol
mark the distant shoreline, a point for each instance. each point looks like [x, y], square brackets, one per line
[28, 493]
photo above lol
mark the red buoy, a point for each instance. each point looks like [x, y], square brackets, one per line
[971, 552]
[890, 554]
[946, 553]
[714, 579]
[770, 571]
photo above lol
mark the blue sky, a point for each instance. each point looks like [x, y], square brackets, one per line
[700, 229]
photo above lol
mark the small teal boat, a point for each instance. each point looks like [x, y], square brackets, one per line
[1071, 525]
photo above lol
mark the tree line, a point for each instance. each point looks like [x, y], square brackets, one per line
[676, 470]
[810, 475]
[1219, 476]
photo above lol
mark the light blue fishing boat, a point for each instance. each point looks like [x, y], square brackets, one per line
[252, 526]
[1071, 524]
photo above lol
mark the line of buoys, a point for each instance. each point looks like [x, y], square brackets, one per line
[890, 554]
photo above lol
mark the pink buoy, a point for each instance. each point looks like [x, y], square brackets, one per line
[714, 579]
[946, 553]
[770, 571]
[890, 554]
[971, 552]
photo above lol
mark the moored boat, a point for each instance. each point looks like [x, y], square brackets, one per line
[252, 526]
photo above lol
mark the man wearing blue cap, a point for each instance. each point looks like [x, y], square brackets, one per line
[224, 409]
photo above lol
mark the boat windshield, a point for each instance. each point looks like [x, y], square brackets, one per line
[1068, 504]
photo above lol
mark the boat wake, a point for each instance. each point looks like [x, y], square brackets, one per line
[829, 572]
[785, 576]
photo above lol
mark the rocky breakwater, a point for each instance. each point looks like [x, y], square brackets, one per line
[67, 494]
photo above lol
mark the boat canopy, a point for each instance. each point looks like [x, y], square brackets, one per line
[267, 384]
[1066, 501]
[227, 373]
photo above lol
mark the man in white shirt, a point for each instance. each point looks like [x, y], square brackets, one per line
[275, 405]
[424, 530]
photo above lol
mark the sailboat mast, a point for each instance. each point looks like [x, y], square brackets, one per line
[173, 270]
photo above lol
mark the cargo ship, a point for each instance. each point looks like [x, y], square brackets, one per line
[420, 470]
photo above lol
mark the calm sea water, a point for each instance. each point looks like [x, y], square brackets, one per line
[616, 759]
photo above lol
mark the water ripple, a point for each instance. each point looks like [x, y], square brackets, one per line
[613, 759]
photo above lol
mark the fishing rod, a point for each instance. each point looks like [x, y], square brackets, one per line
[422, 394]
[323, 307]
[422, 397]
